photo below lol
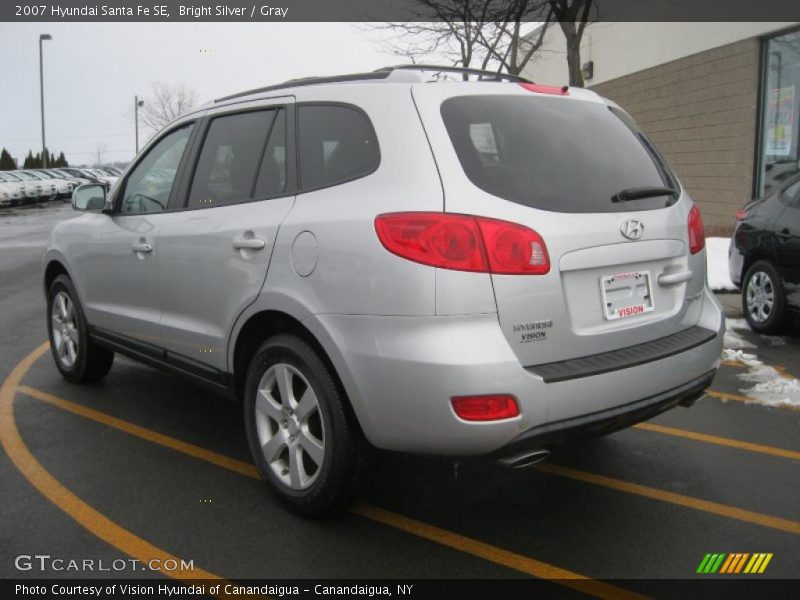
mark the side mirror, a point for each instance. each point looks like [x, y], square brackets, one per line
[89, 196]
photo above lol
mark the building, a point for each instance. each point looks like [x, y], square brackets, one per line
[720, 100]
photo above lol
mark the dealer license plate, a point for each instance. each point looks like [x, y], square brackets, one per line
[626, 295]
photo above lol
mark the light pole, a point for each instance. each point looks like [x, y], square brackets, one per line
[136, 104]
[42, 38]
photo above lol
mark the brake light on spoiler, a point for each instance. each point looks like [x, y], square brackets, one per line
[464, 243]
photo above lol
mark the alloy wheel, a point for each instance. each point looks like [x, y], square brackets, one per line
[64, 326]
[760, 297]
[290, 428]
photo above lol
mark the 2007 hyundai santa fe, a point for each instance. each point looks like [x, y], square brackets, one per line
[457, 268]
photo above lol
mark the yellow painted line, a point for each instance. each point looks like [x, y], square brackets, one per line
[719, 441]
[728, 396]
[732, 363]
[494, 554]
[84, 514]
[745, 399]
[238, 466]
[740, 365]
[446, 538]
[714, 508]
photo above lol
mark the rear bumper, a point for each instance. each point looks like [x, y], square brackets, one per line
[606, 421]
[400, 373]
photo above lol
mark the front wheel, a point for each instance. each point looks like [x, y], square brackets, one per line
[77, 357]
[304, 438]
[763, 299]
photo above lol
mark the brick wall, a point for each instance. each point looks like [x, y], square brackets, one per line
[701, 113]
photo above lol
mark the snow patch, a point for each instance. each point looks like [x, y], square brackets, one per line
[771, 387]
[732, 339]
[717, 264]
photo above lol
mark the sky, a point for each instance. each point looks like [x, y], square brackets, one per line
[92, 71]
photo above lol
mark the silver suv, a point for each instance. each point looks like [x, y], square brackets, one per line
[455, 268]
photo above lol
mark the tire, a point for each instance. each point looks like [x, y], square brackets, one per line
[763, 299]
[313, 458]
[77, 357]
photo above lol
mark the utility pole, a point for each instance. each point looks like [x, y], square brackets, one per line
[136, 104]
[43, 37]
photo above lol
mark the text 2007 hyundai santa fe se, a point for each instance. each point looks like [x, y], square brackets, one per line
[453, 268]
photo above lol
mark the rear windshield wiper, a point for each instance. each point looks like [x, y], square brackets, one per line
[639, 193]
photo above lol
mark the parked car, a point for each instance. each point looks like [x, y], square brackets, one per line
[102, 175]
[49, 187]
[80, 174]
[75, 179]
[35, 189]
[12, 190]
[63, 184]
[764, 257]
[375, 260]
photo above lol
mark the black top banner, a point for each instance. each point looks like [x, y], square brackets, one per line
[383, 10]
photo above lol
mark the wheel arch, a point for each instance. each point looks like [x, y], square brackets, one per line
[266, 323]
[752, 258]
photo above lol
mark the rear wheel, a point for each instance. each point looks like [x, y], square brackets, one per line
[77, 357]
[763, 299]
[304, 438]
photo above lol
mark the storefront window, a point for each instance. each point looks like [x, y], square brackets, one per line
[781, 111]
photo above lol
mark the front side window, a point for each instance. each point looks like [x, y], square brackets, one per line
[337, 144]
[239, 148]
[149, 185]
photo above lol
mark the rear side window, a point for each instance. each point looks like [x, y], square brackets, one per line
[337, 144]
[552, 153]
[233, 155]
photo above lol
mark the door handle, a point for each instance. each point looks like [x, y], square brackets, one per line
[784, 233]
[142, 247]
[666, 279]
[248, 243]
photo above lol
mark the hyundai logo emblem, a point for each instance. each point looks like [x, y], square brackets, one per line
[632, 229]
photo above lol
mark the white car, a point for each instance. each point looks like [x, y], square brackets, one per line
[34, 187]
[12, 190]
[63, 184]
[49, 187]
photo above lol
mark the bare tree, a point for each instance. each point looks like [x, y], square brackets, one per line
[573, 16]
[506, 42]
[167, 103]
[488, 34]
[455, 30]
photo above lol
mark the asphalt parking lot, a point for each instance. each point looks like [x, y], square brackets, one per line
[144, 465]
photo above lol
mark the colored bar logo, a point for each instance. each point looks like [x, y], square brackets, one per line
[736, 562]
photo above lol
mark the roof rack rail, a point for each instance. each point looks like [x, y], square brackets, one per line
[303, 81]
[382, 73]
[491, 75]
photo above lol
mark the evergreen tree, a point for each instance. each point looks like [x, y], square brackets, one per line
[6, 162]
[29, 161]
[61, 161]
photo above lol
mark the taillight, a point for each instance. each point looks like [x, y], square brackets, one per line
[464, 243]
[697, 234]
[485, 408]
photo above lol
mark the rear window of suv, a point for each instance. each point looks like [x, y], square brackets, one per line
[554, 154]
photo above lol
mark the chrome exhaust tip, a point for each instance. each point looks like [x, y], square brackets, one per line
[526, 459]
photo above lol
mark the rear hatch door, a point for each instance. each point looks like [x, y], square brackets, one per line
[620, 272]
